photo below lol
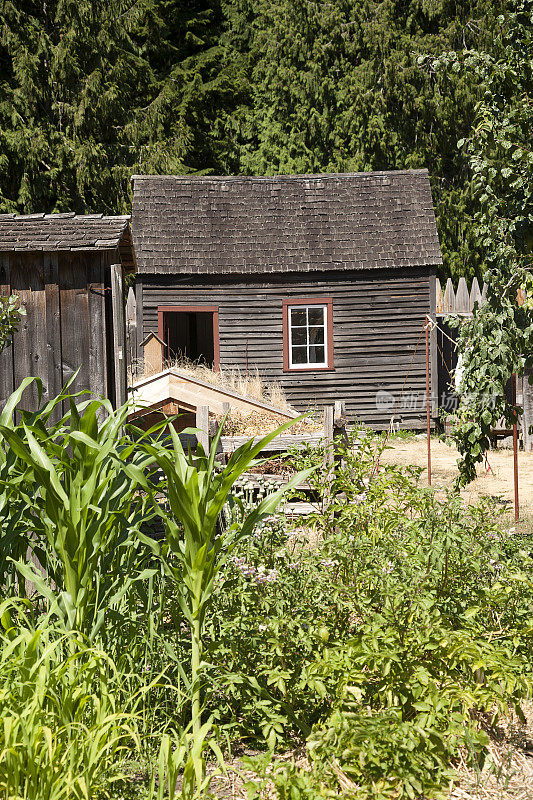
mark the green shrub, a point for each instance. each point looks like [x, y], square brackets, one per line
[386, 632]
[404, 626]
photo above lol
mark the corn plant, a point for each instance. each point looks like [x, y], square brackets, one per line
[61, 734]
[178, 755]
[14, 532]
[81, 508]
[196, 547]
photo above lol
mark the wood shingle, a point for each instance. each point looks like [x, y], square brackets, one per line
[300, 223]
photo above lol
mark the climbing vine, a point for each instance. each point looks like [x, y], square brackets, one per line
[498, 340]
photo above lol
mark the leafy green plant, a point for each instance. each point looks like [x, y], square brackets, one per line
[498, 340]
[11, 313]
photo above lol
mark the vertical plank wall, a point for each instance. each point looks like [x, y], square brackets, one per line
[29, 344]
[6, 356]
[66, 327]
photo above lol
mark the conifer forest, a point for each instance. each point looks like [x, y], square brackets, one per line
[93, 91]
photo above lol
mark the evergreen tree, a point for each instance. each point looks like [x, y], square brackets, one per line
[335, 86]
[93, 90]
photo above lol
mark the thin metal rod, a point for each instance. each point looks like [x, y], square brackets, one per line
[515, 452]
[428, 403]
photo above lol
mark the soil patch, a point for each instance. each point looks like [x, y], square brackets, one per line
[494, 480]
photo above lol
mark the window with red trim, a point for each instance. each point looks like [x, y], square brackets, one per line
[308, 334]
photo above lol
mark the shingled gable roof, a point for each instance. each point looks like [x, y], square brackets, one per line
[232, 225]
[55, 232]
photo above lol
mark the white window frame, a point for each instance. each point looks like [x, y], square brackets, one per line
[309, 364]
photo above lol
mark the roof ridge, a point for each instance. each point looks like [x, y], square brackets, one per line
[67, 215]
[300, 176]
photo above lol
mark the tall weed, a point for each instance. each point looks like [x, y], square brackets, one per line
[61, 732]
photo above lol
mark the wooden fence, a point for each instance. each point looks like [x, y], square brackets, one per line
[460, 301]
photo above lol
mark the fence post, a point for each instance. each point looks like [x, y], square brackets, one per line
[131, 334]
[329, 416]
[339, 422]
[202, 423]
[527, 406]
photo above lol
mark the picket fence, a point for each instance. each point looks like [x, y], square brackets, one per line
[460, 301]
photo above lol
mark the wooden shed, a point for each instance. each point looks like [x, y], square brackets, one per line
[321, 282]
[68, 271]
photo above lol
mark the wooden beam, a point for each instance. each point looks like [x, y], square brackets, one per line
[119, 334]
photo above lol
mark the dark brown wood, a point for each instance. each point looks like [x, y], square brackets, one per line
[53, 328]
[6, 356]
[378, 318]
[67, 296]
[119, 333]
[75, 342]
[30, 356]
[191, 309]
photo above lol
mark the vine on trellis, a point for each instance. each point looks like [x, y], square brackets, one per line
[498, 340]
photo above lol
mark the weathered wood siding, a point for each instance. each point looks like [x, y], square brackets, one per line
[67, 324]
[378, 318]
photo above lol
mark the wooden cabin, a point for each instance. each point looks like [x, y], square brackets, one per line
[68, 271]
[321, 282]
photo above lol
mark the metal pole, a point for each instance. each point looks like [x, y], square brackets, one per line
[428, 403]
[515, 452]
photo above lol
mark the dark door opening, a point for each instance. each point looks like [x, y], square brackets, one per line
[189, 335]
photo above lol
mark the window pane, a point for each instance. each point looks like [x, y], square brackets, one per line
[299, 355]
[316, 354]
[316, 316]
[299, 316]
[316, 335]
[299, 335]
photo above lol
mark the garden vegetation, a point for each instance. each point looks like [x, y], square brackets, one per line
[155, 620]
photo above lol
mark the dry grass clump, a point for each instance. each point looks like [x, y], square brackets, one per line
[248, 384]
[507, 774]
[508, 770]
[256, 423]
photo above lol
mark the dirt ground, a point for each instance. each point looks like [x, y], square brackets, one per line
[507, 773]
[495, 482]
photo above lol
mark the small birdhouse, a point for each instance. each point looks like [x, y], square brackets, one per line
[153, 354]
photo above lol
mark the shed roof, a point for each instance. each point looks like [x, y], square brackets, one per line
[75, 232]
[232, 225]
